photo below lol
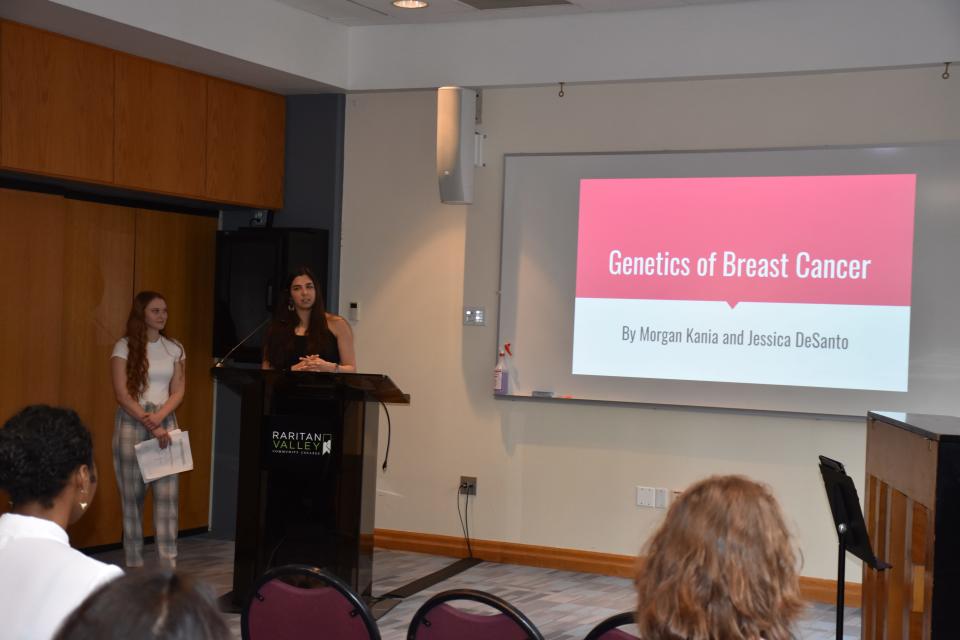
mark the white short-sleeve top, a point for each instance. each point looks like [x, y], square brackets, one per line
[41, 578]
[161, 356]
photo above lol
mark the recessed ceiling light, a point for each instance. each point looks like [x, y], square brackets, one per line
[410, 4]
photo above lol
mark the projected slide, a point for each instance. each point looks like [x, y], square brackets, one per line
[783, 280]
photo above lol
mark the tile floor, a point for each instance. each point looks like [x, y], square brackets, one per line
[563, 604]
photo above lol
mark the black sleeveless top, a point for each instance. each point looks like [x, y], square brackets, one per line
[328, 349]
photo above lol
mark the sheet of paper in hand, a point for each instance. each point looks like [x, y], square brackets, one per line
[156, 462]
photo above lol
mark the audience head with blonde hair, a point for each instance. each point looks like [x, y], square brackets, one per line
[721, 567]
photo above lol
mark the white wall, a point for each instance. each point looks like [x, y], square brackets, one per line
[558, 474]
[768, 36]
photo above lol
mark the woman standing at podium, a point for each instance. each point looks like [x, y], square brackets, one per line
[149, 383]
[303, 336]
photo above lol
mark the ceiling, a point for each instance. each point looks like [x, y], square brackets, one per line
[288, 47]
[382, 12]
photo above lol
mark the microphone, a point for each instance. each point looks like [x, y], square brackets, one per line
[219, 364]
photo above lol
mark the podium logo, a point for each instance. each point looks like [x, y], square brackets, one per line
[307, 443]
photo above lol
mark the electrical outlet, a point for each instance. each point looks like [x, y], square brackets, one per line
[662, 498]
[474, 316]
[468, 485]
[646, 497]
[259, 218]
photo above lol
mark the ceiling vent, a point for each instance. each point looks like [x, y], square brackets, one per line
[511, 4]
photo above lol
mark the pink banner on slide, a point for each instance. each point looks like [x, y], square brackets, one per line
[806, 239]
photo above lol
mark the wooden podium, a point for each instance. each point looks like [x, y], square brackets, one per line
[912, 509]
[306, 491]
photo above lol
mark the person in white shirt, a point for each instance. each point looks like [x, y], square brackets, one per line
[149, 383]
[47, 468]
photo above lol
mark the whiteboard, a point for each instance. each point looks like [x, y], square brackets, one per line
[539, 262]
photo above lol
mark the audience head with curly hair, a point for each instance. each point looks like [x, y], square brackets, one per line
[46, 463]
[47, 468]
[721, 567]
[162, 605]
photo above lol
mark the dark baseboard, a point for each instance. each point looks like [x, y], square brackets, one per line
[114, 546]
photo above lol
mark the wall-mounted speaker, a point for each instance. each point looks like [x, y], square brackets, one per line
[456, 144]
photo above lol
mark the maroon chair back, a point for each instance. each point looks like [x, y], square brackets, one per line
[438, 620]
[608, 629]
[617, 634]
[317, 605]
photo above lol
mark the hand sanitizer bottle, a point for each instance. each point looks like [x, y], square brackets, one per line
[501, 376]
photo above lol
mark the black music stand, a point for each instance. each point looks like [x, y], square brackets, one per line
[851, 529]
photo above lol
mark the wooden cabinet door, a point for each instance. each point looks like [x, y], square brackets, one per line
[56, 100]
[245, 129]
[31, 283]
[175, 256]
[161, 127]
[900, 515]
[97, 288]
[70, 271]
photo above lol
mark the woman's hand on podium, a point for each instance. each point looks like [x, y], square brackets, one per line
[315, 363]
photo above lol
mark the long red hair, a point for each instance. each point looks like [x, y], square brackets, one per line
[137, 364]
[721, 567]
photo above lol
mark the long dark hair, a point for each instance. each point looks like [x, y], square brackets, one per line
[163, 605]
[278, 346]
[137, 364]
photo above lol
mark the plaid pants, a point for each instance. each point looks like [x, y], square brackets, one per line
[128, 432]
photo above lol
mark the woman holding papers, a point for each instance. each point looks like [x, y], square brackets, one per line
[149, 383]
[303, 336]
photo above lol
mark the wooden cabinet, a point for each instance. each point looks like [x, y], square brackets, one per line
[245, 131]
[70, 271]
[31, 282]
[97, 288]
[56, 105]
[78, 111]
[913, 519]
[160, 127]
[175, 256]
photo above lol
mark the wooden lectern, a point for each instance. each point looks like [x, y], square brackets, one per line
[306, 491]
[913, 518]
